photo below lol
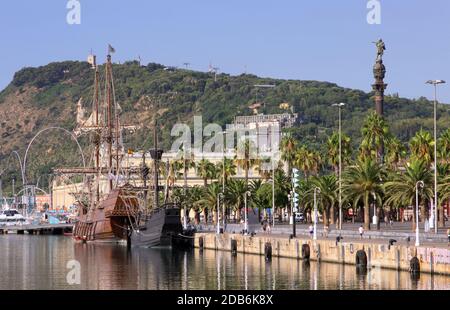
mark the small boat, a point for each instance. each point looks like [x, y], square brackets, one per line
[12, 217]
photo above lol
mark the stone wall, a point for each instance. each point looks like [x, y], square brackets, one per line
[432, 260]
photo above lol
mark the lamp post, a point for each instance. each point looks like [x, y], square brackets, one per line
[247, 194]
[291, 201]
[273, 195]
[340, 106]
[434, 215]
[223, 178]
[421, 185]
[316, 191]
[219, 196]
[374, 218]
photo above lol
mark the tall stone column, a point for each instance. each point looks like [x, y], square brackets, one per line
[379, 72]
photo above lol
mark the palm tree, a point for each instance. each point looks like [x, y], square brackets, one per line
[234, 196]
[245, 157]
[444, 146]
[333, 150]
[328, 196]
[304, 189]
[261, 195]
[230, 170]
[395, 152]
[362, 183]
[443, 189]
[308, 161]
[209, 200]
[282, 188]
[187, 160]
[288, 151]
[262, 168]
[374, 132]
[206, 170]
[422, 146]
[401, 188]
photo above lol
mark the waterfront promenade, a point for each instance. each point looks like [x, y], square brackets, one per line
[432, 257]
[398, 231]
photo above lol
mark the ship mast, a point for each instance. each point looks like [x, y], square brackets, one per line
[98, 132]
[109, 138]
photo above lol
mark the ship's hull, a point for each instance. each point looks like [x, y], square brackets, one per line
[159, 229]
[100, 229]
[111, 221]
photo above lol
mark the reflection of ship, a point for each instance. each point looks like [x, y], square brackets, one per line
[110, 208]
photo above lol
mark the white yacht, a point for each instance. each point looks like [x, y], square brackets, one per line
[12, 217]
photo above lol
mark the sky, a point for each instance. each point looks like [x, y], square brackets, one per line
[293, 39]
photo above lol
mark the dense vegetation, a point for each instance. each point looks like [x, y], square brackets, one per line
[387, 183]
[177, 95]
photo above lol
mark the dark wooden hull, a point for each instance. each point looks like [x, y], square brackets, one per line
[159, 229]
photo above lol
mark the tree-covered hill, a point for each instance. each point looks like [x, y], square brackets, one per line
[46, 96]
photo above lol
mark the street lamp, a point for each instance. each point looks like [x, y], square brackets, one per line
[374, 218]
[434, 215]
[223, 177]
[340, 106]
[421, 184]
[219, 196]
[247, 194]
[316, 191]
[292, 218]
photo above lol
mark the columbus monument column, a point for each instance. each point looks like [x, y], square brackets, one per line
[379, 72]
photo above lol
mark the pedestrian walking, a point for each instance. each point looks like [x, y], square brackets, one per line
[361, 232]
[264, 225]
[311, 231]
[325, 231]
[391, 221]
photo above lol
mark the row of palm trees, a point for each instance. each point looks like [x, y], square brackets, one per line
[381, 173]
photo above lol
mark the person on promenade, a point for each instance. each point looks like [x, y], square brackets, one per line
[361, 232]
[264, 225]
[325, 231]
[311, 231]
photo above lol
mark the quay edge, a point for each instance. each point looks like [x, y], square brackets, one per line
[432, 260]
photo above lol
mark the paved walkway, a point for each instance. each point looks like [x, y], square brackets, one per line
[400, 232]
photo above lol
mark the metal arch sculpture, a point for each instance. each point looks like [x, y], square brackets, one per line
[20, 163]
[41, 132]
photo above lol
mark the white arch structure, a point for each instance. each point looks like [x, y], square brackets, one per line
[37, 135]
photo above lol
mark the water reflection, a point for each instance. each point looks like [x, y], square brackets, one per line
[39, 262]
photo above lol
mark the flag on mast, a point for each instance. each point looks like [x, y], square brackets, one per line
[111, 49]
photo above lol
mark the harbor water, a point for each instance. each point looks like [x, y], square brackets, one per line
[44, 262]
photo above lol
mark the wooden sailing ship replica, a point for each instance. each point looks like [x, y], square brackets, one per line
[108, 206]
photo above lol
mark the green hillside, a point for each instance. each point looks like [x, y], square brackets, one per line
[46, 96]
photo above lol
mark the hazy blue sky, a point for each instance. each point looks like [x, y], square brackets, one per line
[299, 39]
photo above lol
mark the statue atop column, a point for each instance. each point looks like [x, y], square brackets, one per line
[381, 47]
